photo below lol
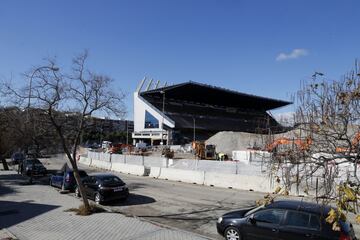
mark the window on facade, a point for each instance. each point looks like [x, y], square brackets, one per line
[151, 121]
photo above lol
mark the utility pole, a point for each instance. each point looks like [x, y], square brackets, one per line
[194, 129]
[127, 132]
[163, 116]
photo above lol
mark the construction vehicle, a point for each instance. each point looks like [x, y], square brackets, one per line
[203, 151]
[120, 148]
[354, 145]
[300, 144]
[286, 149]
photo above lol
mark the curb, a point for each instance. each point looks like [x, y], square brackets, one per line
[7, 235]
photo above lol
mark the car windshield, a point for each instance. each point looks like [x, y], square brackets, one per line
[31, 161]
[110, 179]
[254, 210]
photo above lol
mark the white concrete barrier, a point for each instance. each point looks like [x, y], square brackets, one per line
[101, 164]
[155, 172]
[117, 158]
[187, 176]
[128, 168]
[243, 182]
[105, 157]
[85, 161]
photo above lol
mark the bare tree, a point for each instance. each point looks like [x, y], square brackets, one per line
[322, 152]
[68, 100]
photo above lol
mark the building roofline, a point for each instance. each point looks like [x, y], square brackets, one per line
[216, 88]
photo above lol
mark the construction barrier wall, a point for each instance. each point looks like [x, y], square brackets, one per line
[243, 182]
[128, 169]
[155, 172]
[85, 160]
[180, 175]
[100, 164]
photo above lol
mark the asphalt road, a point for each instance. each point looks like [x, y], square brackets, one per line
[190, 207]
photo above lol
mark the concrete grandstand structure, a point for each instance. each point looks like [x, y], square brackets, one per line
[184, 112]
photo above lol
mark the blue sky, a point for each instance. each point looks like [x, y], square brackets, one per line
[259, 47]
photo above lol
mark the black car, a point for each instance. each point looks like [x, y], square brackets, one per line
[104, 187]
[17, 158]
[32, 167]
[66, 179]
[295, 220]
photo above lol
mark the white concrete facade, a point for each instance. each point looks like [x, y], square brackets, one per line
[141, 106]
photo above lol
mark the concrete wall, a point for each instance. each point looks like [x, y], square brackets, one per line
[227, 174]
[100, 164]
[209, 178]
[180, 175]
[140, 106]
[243, 182]
[128, 169]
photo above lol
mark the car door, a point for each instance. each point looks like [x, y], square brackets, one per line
[91, 187]
[57, 179]
[263, 225]
[86, 182]
[300, 225]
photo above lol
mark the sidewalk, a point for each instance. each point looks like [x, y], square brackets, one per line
[37, 212]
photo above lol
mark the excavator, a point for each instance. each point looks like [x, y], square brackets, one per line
[354, 145]
[300, 144]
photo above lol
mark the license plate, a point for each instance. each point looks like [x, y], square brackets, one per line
[118, 189]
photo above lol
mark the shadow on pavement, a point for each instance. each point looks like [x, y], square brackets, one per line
[7, 181]
[12, 213]
[134, 186]
[133, 199]
[6, 190]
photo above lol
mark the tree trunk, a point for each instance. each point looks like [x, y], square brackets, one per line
[5, 165]
[80, 186]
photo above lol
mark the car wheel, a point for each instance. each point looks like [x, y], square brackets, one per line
[232, 233]
[77, 192]
[97, 198]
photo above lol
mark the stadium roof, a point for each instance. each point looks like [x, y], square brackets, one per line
[206, 94]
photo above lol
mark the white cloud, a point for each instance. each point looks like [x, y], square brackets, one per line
[296, 53]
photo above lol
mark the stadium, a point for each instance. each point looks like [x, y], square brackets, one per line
[189, 111]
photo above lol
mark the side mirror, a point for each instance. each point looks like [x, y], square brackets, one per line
[252, 219]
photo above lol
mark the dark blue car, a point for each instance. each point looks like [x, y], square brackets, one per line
[66, 178]
[17, 158]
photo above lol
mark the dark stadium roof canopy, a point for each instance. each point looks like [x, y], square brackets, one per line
[202, 93]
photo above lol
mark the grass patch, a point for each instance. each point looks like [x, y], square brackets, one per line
[82, 211]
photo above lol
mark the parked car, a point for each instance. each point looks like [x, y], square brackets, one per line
[295, 220]
[66, 178]
[32, 166]
[103, 187]
[17, 157]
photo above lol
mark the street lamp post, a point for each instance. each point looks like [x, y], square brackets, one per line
[194, 129]
[127, 133]
[162, 123]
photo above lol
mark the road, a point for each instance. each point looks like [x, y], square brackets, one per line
[190, 207]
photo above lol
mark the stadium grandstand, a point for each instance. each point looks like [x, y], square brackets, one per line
[184, 112]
